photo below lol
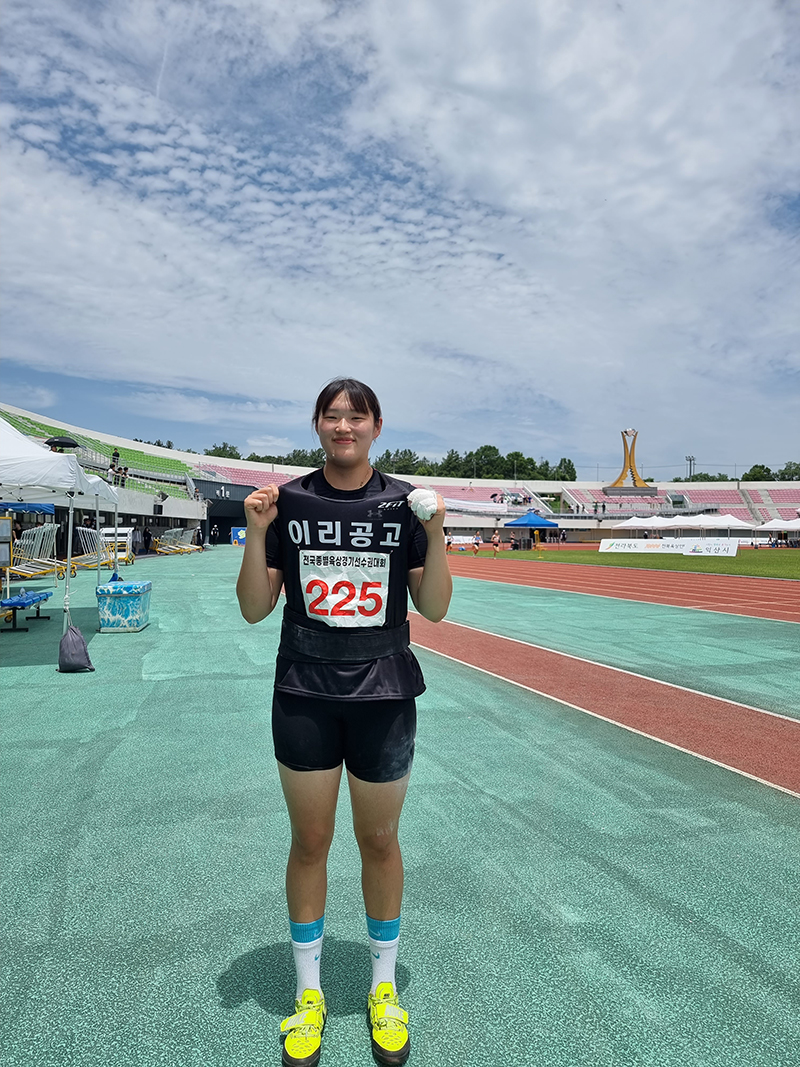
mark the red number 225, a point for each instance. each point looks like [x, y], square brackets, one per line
[369, 602]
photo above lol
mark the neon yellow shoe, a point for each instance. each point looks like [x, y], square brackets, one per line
[387, 1020]
[303, 1030]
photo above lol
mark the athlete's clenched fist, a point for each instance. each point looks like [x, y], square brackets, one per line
[261, 507]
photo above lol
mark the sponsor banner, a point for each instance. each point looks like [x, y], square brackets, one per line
[676, 546]
[711, 546]
[238, 535]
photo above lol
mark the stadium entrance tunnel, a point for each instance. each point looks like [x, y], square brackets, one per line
[226, 511]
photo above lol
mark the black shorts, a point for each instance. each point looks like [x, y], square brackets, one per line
[374, 738]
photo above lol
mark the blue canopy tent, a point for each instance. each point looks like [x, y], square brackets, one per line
[31, 509]
[533, 521]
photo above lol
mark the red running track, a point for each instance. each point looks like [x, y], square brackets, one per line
[762, 598]
[756, 743]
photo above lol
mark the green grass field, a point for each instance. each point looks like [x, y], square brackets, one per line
[763, 563]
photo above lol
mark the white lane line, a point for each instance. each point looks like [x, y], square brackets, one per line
[634, 600]
[620, 670]
[688, 575]
[614, 722]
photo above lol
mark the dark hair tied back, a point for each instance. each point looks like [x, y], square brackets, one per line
[360, 397]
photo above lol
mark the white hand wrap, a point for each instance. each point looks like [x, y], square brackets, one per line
[423, 503]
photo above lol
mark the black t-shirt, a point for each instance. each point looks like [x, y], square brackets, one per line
[345, 558]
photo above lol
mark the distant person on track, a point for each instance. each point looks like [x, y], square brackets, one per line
[347, 547]
[477, 541]
[448, 542]
[495, 543]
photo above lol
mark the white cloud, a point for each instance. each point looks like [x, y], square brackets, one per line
[527, 223]
[29, 397]
[270, 445]
[193, 408]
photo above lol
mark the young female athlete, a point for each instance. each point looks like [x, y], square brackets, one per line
[347, 547]
[495, 543]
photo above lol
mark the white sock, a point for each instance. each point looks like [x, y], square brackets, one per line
[384, 938]
[307, 950]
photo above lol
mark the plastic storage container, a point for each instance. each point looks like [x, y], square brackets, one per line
[124, 606]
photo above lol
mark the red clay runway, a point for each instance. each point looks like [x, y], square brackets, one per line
[763, 598]
[758, 744]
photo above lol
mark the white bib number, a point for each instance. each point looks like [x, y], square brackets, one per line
[345, 588]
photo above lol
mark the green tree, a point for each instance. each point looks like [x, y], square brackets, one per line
[405, 461]
[758, 473]
[544, 471]
[223, 451]
[518, 466]
[702, 476]
[490, 462]
[425, 469]
[790, 472]
[565, 470]
[451, 465]
[303, 457]
[383, 462]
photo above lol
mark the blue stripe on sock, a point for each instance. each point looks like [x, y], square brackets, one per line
[383, 929]
[305, 932]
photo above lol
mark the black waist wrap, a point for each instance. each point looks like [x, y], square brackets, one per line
[344, 645]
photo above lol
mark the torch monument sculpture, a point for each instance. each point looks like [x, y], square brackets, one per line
[639, 485]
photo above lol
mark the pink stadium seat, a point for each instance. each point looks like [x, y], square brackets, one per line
[459, 492]
[723, 497]
[241, 476]
[739, 513]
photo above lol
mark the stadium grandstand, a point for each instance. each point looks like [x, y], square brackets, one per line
[165, 488]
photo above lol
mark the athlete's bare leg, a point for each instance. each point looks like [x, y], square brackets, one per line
[311, 799]
[376, 814]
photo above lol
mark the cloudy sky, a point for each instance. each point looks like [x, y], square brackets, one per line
[529, 223]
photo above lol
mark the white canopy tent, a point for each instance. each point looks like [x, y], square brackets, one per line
[708, 522]
[780, 524]
[649, 522]
[31, 473]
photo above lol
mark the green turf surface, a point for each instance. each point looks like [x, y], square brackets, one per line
[764, 563]
[600, 900]
[753, 661]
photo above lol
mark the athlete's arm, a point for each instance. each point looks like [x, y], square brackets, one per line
[431, 585]
[259, 586]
